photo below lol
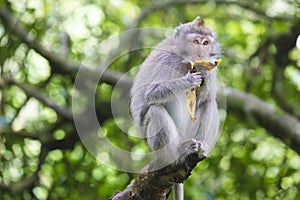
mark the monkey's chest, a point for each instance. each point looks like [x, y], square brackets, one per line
[180, 115]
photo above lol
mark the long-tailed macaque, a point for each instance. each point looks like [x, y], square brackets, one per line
[158, 96]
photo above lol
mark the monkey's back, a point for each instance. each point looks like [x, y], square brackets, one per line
[162, 64]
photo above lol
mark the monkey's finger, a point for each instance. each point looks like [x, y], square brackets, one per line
[197, 74]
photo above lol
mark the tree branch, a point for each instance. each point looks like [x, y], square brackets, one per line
[33, 92]
[157, 184]
[58, 63]
[277, 122]
[284, 43]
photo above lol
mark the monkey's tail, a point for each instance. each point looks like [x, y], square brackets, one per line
[178, 191]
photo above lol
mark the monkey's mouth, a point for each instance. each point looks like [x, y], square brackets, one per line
[202, 58]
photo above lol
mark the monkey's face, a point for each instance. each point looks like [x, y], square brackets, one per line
[198, 47]
[196, 41]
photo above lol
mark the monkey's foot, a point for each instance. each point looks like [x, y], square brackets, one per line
[192, 146]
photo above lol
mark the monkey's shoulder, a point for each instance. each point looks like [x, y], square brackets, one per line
[164, 59]
[164, 53]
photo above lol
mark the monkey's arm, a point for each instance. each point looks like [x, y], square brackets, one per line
[159, 92]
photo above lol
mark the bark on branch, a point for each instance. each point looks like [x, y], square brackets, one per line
[157, 184]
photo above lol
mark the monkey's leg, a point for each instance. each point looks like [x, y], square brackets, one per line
[162, 135]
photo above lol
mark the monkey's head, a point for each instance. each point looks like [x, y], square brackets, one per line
[196, 42]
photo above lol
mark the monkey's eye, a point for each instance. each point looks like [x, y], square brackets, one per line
[196, 41]
[205, 42]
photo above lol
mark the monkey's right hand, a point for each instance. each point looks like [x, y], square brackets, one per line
[194, 78]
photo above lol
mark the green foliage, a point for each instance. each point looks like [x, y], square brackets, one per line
[246, 163]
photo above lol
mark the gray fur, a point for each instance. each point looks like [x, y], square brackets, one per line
[158, 95]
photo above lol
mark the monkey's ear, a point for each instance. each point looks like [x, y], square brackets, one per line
[177, 32]
[198, 21]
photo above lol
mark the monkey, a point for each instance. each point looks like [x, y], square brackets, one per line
[158, 95]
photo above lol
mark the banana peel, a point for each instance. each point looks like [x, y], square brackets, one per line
[191, 103]
[191, 96]
[206, 64]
